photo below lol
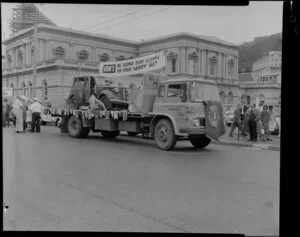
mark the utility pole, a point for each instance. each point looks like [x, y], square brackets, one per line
[34, 75]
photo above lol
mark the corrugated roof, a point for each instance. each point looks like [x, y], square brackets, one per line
[246, 77]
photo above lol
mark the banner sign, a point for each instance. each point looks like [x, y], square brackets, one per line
[132, 66]
[7, 91]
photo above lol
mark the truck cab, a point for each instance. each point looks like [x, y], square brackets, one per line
[192, 107]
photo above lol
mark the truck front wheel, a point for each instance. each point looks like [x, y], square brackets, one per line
[75, 128]
[200, 142]
[110, 134]
[164, 135]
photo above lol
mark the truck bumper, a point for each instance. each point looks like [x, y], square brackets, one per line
[192, 131]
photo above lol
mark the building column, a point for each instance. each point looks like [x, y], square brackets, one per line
[182, 60]
[203, 64]
[199, 62]
[237, 68]
[220, 64]
[225, 66]
[207, 63]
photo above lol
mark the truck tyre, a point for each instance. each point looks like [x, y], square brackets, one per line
[164, 135]
[74, 103]
[200, 142]
[106, 102]
[75, 127]
[110, 134]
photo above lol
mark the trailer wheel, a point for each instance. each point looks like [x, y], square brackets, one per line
[75, 127]
[200, 142]
[106, 102]
[164, 135]
[110, 134]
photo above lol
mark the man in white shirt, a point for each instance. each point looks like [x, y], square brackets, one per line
[36, 108]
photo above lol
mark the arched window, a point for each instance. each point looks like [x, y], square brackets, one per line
[120, 58]
[20, 58]
[29, 86]
[82, 55]
[12, 86]
[23, 87]
[230, 68]
[222, 97]
[171, 62]
[32, 54]
[59, 52]
[212, 66]
[45, 90]
[8, 61]
[261, 100]
[103, 57]
[230, 98]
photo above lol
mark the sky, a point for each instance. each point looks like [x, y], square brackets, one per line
[136, 22]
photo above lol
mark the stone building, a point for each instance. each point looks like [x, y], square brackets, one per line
[64, 53]
[263, 85]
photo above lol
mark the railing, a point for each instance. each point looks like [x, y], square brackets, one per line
[260, 85]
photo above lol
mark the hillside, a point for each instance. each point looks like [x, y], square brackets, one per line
[260, 46]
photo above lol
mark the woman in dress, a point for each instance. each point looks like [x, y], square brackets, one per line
[272, 120]
[18, 111]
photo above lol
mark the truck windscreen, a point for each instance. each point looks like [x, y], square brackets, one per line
[203, 92]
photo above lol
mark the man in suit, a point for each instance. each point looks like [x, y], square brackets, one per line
[236, 119]
[253, 118]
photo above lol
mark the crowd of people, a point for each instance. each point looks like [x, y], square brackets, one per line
[250, 121]
[27, 114]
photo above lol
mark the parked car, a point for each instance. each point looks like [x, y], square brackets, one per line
[47, 117]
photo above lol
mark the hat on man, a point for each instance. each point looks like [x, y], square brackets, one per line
[35, 99]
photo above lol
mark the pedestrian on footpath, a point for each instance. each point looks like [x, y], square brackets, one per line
[245, 127]
[236, 119]
[265, 117]
[29, 116]
[24, 109]
[36, 108]
[18, 111]
[5, 113]
[253, 118]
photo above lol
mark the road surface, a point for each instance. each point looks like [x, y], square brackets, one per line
[55, 182]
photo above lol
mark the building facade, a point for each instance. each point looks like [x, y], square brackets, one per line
[64, 53]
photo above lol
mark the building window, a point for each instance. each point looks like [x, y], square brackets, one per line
[120, 58]
[212, 66]
[32, 54]
[8, 61]
[222, 97]
[59, 52]
[172, 63]
[261, 100]
[192, 64]
[104, 57]
[12, 86]
[230, 98]
[230, 68]
[23, 87]
[20, 59]
[45, 90]
[29, 89]
[82, 55]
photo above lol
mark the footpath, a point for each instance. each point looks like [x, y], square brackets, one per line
[243, 141]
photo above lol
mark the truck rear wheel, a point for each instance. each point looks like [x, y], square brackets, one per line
[106, 102]
[110, 134]
[200, 142]
[164, 135]
[75, 128]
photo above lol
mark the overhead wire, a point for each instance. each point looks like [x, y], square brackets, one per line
[120, 17]
[133, 19]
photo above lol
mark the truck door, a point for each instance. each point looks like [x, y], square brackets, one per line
[175, 102]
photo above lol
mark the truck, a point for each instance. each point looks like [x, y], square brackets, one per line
[162, 108]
